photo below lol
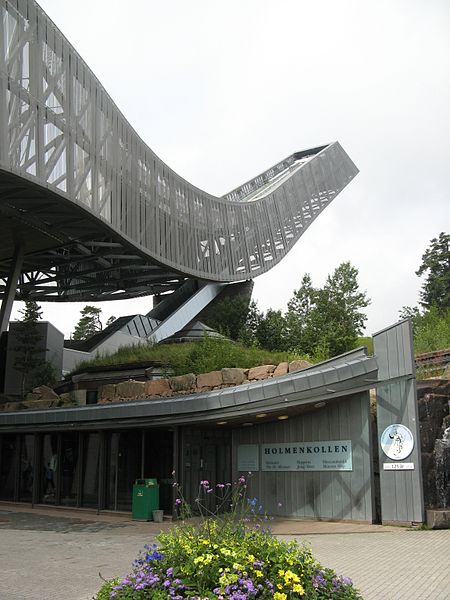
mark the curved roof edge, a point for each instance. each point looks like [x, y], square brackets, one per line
[347, 374]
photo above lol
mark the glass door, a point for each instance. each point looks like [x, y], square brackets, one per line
[124, 459]
[91, 470]
[26, 468]
[49, 483]
[70, 467]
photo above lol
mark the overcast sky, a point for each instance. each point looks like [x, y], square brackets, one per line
[221, 90]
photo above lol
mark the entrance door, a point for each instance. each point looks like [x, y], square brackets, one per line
[206, 457]
[50, 470]
[123, 468]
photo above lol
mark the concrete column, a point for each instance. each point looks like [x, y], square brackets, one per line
[11, 286]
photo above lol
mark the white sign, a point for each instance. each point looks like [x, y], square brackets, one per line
[334, 455]
[398, 466]
[248, 457]
[397, 442]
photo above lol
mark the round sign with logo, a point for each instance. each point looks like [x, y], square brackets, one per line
[397, 442]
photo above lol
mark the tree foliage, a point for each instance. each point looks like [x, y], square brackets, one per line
[431, 328]
[271, 331]
[28, 354]
[436, 266]
[431, 322]
[230, 317]
[326, 321]
[89, 323]
[319, 322]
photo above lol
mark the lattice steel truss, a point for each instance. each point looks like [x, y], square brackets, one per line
[99, 214]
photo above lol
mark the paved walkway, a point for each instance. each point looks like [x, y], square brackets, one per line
[49, 554]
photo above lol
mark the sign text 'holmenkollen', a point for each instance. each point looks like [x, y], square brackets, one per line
[330, 455]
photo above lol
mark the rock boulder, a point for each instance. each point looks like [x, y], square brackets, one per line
[233, 376]
[262, 372]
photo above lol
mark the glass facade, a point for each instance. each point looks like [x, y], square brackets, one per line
[8, 463]
[85, 469]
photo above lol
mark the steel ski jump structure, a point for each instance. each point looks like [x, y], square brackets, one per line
[88, 212]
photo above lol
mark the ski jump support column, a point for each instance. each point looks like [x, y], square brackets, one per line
[185, 313]
[11, 285]
[401, 467]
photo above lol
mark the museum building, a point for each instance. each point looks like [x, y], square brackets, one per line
[306, 437]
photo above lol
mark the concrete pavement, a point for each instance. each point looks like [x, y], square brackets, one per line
[53, 554]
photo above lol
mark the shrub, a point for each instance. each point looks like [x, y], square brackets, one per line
[432, 330]
[230, 556]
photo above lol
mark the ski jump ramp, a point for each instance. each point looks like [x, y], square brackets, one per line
[88, 212]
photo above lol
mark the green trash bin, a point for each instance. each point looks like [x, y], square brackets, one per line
[145, 499]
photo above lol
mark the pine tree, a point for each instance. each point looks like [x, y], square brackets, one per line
[89, 323]
[29, 356]
[436, 266]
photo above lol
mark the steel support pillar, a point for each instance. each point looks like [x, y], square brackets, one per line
[180, 316]
[11, 286]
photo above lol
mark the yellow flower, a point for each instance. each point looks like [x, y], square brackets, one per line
[298, 589]
[278, 596]
[291, 577]
[258, 573]
[279, 586]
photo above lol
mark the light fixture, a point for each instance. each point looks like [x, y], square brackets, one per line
[222, 422]
[320, 404]
[283, 417]
[261, 415]
[247, 424]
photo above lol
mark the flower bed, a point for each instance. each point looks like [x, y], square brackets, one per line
[230, 556]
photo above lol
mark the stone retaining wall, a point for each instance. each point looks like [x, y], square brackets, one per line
[191, 384]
